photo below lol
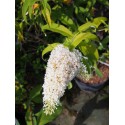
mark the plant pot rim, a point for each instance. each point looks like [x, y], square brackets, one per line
[89, 87]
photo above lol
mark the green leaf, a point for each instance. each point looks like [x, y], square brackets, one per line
[90, 50]
[105, 41]
[88, 64]
[30, 10]
[83, 36]
[27, 5]
[80, 11]
[97, 21]
[44, 119]
[64, 16]
[65, 19]
[20, 36]
[98, 72]
[100, 47]
[58, 29]
[35, 91]
[48, 18]
[69, 85]
[86, 26]
[67, 42]
[46, 11]
[28, 116]
[44, 3]
[34, 120]
[37, 99]
[25, 8]
[49, 48]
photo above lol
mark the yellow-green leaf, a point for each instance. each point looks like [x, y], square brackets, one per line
[97, 21]
[66, 20]
[58, 29]
[69, 85]
[48, 16]
[46, 11]
[49, 48]
[86, 26]
[25, 8]
[83, 36]
[29, 117]
[20, 36]
[90, 50]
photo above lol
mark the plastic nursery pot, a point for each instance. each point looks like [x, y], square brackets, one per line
[95, 83]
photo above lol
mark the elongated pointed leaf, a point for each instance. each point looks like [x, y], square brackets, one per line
[58, 29]
[37, 99]
[49, 48]
[97, 21]
[46, 11]
[44, 3]
[46, 14]
[30, 11]
[98, 72]
[35, 91]
[86, 26]
[25, 8]
[34, 121]
[28, 116]
[28, 4]
[83, 36]
[32, 6]
[66, 20]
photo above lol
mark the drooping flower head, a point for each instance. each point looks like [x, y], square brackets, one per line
[62, 67]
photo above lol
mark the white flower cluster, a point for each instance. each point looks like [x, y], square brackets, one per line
[62, 67]
[83, 73]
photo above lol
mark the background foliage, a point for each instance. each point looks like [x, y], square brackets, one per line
[41, 25]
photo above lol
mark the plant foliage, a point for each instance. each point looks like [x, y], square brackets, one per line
[40, 26]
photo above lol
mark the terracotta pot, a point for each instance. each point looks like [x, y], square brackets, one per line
[95, 83]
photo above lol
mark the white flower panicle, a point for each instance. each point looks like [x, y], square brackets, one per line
[63, 65]
[83, 73]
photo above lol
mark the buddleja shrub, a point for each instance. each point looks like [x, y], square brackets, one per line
[71, 31]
